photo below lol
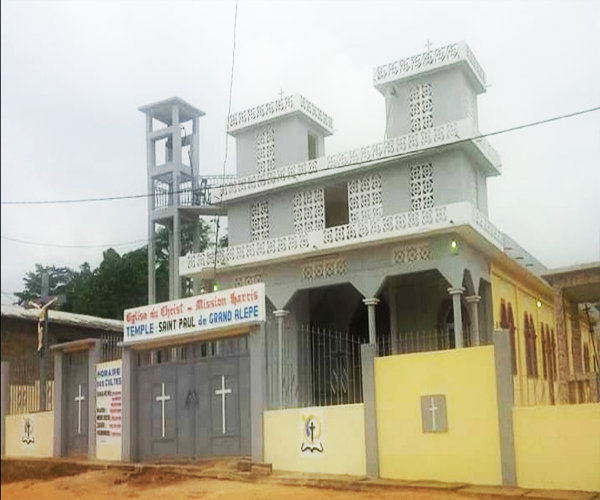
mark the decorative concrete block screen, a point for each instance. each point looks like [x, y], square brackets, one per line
[30, 435]
[326, 439]
[437, 416]
[558, 447]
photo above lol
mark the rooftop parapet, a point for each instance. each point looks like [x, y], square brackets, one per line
[290, 105]
[432, 60]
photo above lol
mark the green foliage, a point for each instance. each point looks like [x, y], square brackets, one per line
[120, 281]
[59, 278]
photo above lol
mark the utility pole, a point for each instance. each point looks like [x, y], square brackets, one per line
[45, 296]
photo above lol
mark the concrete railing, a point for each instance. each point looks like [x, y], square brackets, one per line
[361, 233]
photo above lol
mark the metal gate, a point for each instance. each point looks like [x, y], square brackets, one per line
[77, 374]
[194, 400]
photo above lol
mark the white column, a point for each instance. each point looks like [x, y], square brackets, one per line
[394, 333]
[171, 261]
[177, 164]
[280, 314]
[458, 329]
[150, 161]
[473, 301]
[371, 303]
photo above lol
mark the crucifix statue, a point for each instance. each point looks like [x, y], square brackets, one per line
[42, 312]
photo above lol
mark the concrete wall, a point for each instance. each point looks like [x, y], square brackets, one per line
[453, 175]
[452, 182]
[42, 435]
[453, 99]
[291, 143]
[558, 447]
[367, 269]
[470, 450]
[342, 437]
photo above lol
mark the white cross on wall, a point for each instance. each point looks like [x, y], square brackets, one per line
[223, 392]
[79, 399]
[433, 409]
[162, 399]
[428, 45]
[280, 94]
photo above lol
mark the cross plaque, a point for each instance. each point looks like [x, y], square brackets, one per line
[434, 413]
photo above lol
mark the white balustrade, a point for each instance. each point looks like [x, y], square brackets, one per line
[364, 231]
[442, 134]
[433, 58]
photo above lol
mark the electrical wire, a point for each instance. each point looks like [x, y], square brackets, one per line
[39, 244]
[279, 177]
[217, 218]
[106, 245]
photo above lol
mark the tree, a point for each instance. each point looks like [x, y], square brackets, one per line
[120, 281]
[59, 278]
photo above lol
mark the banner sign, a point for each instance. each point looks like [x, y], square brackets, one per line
[108, 410]
[212, 311]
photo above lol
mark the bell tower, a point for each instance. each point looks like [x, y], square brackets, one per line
[177, 195]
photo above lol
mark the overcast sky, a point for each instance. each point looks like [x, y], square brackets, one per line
[74, 74]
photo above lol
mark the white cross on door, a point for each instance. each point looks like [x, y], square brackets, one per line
[223, 392]
[79, 399]
[163, 398]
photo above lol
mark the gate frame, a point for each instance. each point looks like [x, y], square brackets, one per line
[92, 346]
[258, 384]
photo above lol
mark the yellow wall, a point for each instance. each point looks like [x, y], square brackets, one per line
[558, 446]
[43, 434]
[523, 299]
[343, 438]
[470, 450]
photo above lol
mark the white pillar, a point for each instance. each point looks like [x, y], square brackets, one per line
[458, 329]
[394, 333]
[280, 314]
[371, 303]
[473, 301]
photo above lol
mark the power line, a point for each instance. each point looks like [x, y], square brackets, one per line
[399, 156]
[39, 244]
[218, 220]
[105, 245]
[279, 177]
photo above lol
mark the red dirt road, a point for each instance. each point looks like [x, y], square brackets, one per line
[116, 484]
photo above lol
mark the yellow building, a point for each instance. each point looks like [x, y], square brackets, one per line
[554, 348]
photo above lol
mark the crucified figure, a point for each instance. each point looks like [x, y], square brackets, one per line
[43, 314]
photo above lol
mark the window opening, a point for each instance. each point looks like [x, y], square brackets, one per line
[265, 151]
[421, 187]
[364, 198]
[309, 211]
[312, 147]
[336, 205]
[421, 107]
[259, 220]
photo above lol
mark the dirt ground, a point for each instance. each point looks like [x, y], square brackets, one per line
[157, 485]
